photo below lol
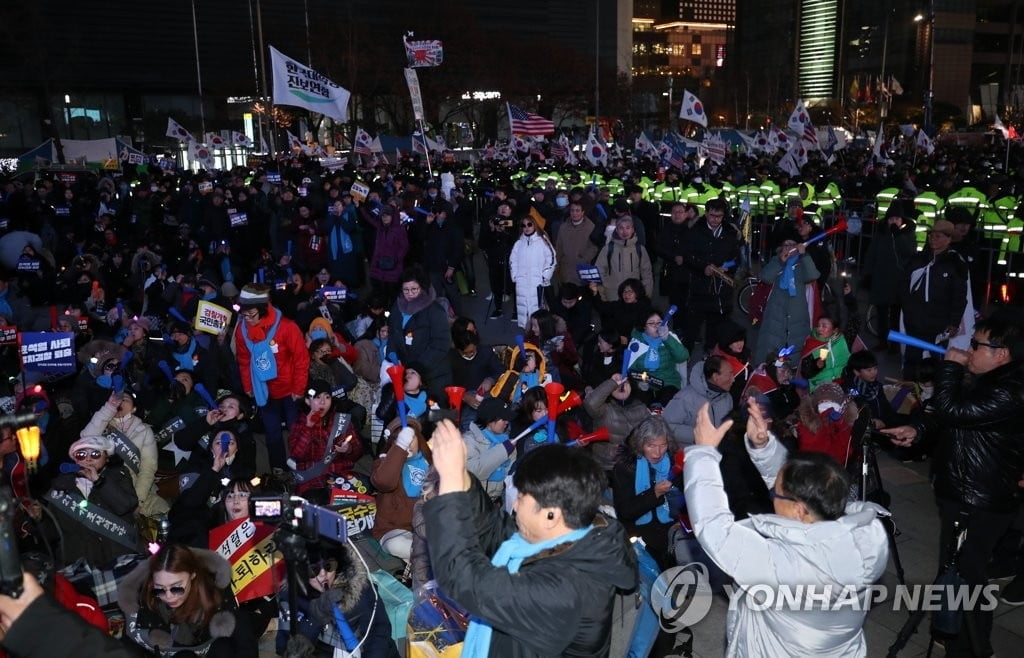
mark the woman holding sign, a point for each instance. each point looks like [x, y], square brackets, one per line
[319, 449]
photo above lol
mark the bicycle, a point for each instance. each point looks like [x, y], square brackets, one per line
[746, 292]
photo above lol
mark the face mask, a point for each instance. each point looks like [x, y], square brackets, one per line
[467, 358]
[561, 202]
[317, 333]
[108, 381]
[177, 390]
[432, 195]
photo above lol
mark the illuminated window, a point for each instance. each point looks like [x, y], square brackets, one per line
[696, 49]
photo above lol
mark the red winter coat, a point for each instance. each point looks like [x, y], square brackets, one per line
[292, 356]
[307, 444]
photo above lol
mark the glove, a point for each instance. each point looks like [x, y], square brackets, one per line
[405, 438]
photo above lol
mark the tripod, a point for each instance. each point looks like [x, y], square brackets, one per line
[870, 475]
[944, 578]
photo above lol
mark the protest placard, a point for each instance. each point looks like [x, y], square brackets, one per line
[589, 274]
[50, 352]
[360, 191]
[8, 335]
[333, 293]
[211, 318]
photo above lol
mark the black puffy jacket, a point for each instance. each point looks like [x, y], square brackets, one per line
[979, 457]
[560, 601]
[702, 247]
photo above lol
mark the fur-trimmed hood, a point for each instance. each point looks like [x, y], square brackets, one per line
[131, 585]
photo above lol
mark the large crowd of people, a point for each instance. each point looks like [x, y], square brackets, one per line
[276, 330]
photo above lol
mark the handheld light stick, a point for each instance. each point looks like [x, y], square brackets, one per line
[910, 341]
[632, 347]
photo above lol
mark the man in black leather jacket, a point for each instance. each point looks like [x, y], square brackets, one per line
[979, 455]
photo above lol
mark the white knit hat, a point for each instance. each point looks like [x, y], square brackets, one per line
[90, 443]
[254, 295]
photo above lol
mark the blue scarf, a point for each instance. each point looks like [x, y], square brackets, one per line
[498, 474]
[405, 319]
[184, 359]
[416, 404]
[414, 472]
[652, 360]
[382, 348]
[511, 554]
[527, 380]
[788, 279]
[643, 482]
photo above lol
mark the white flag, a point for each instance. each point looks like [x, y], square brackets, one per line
[215, 140]
[240, 139]
[298, 85]
[998, 125]
[177, 131]
[925, 142]
[202, 155]
[693, 110]
[294, 142]
[800, 123]
[597, 152]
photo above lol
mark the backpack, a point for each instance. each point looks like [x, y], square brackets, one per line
[611, 247]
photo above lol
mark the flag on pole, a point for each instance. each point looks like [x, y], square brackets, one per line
[423, 53]
[894, 86]
[644, 146]
[570, 155]
[298, 85]
[789, 164]
[215, 140]
[925, 142]
[419, 144]
[597, 151]
[998, 125]
[521, 145]
[800, 122]
[363, 144]
[177, 131]
[714, 148]
[201, 155]
[240, 139]
[526, 123]
[693, 110]
[294, 142]
[876, 150]
[558, 150]
[762, 143]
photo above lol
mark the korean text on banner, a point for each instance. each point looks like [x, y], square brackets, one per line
[211, 318]
[255, 562]
[298, 85]
[360, 191]
[413, 81]
[49, 352]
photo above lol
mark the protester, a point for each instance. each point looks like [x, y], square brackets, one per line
[179, 600]
[532, 264]
[815, 539]
[274, 364]
[524, 598]
[709, 249]
[974, 423]
[418, 331]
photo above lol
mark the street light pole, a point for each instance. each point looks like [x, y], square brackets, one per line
[930, 93]
[199, 71]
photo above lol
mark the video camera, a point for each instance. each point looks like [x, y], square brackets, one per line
[297, 516]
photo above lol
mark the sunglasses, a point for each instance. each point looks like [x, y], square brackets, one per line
[774, 495]
[527, 224]
[91, 454]
[975, 344]
[161, 592]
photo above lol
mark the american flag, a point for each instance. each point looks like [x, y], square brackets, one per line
[559, 150]
[527, 123]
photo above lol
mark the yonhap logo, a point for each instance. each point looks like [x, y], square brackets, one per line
[681, 596]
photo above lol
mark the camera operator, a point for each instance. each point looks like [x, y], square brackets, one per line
[496, 239]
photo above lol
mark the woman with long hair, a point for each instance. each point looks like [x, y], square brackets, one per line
[178, 601]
